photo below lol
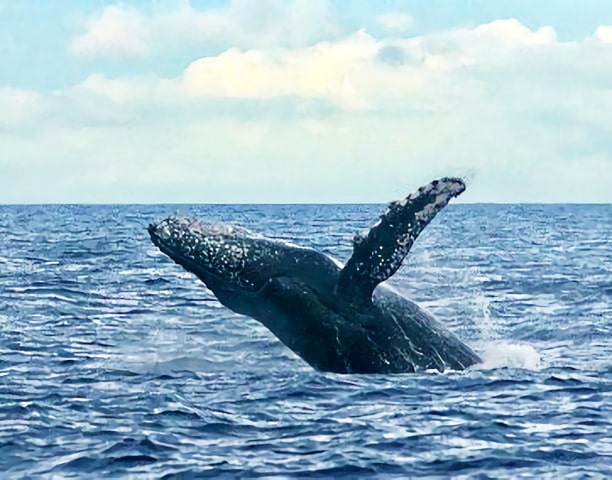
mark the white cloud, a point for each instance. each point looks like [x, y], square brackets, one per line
[320, 71]
[359, 118]
[361, 72]
[116, 32]
[492, 43]
[395, 22]
[19, 107]
[129, 89]
[603, 34]
[124, 31]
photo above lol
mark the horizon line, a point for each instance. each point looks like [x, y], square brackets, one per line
[39, 204]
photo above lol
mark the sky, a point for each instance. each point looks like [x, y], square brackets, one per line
[316, 101]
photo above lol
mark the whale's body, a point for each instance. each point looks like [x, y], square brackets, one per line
[337, 318]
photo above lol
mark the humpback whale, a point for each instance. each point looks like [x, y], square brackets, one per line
[337, 318]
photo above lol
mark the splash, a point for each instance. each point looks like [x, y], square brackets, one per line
[496, 352]
[487, 323]
[509, 355]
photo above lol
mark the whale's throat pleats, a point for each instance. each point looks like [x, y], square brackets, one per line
[380, 253]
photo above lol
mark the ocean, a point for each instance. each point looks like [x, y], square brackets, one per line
[117, 363]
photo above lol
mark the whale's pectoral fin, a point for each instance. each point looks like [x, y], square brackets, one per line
[379, 254]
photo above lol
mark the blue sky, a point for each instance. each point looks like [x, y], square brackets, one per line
[304, 100]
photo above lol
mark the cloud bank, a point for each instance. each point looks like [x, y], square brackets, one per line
[120, 30]
[289, 107]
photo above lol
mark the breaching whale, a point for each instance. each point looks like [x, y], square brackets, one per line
[337, 318]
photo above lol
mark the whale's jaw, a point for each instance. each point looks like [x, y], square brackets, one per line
[221, 254]
[214, 252]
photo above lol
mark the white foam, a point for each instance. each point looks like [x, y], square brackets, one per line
[498, 353]
[509, 355]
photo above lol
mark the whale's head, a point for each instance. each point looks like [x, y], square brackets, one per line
[232, 261]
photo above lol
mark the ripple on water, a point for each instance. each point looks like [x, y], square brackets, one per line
[115, 363]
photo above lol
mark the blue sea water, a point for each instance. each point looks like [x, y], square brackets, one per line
[116, 363]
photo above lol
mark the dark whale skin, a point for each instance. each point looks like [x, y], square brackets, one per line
[337, 318]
